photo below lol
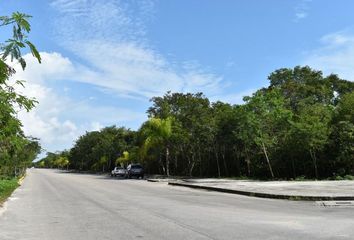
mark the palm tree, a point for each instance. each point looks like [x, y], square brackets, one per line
[158, 132]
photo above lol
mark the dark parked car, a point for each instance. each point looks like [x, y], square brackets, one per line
[135, 170]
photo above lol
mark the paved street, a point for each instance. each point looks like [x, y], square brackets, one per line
[51, 205]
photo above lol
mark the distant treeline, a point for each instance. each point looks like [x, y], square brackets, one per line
[302, 125]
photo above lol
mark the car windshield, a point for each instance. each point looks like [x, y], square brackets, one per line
[136, 166]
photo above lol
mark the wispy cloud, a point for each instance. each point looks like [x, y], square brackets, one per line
[110, 37]
[102, 19]
[336, 55]
[302, 10]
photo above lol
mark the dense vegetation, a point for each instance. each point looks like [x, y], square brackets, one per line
[301, 125]
[17, 151]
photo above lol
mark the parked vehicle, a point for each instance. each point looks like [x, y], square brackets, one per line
[135, 170]
[119, 171]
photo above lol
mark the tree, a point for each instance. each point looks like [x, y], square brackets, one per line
[100, 149]
[193, 128]
[301, 125]
[311, 129]
[13, 143]
[61, 161]
[345, 109]
[342, 135]
[12, 48]
[158, 132]
[267, 119]
[226, 122]
[124, 159]
[302, 84]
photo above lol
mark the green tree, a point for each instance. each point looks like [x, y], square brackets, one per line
[124, 159]
[267, 119]
[108, 143]
[13, 143]
[158, 132]
[342, 137]
[193, 128]
[311, 130]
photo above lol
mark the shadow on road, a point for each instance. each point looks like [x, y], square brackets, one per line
[103, 176]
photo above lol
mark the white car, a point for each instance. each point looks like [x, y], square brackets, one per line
[119, 171]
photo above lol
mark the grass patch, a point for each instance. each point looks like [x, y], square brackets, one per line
[7, 186]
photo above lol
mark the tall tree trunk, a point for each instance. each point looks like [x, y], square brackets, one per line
[162, 166]
[217, 161]
[192, 164]
[200, 161]
[223, 153]
[293, 166]
[314, 160]
[176, 162]
[248, 161]
[191, 169]
[167, 161]
[236, 157]
[269, 165]
[207, 162]
[109, 166]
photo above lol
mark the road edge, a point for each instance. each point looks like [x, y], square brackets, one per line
[264, 195]
[3, 203]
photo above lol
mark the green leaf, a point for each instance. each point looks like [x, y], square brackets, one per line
[34, 51]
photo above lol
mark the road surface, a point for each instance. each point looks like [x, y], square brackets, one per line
[51, 205]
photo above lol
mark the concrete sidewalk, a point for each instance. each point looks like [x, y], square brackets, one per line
[292, 190]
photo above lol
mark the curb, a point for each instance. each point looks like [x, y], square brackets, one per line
[21, 179]
[157, 180]
[266, 195]
[152, 180]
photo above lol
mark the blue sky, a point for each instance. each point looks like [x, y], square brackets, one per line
[104, 59]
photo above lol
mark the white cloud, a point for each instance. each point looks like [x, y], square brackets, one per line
[58, 119]
[234, 98]
[43, 121]
[110, 37]
[54, 66]
[302, 10]
[336, 55]
[96, 126]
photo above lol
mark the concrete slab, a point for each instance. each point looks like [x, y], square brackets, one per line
[304, 190]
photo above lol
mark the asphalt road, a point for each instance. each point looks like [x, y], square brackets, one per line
[51, 205]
